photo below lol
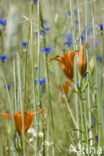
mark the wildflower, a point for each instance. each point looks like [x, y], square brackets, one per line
[69, 43]
[85, 76]
[67, 62]
[31, 140]
[7, 86]
[47, 143]
[3, 22]
[96, 137]
[82, 62]
[67, 13]
[7, 116]
[28, 116]
[68, 36]
[78, 84]
[40, 134]
[65, 87]
[3, 57]
[97, 42]
[83, 37]
[76, 22]
[92, 64]
[34, 1]
[99, 58]
[47, 49]
[72, 85]
[24, 43]
[101, 26]
[42, 80]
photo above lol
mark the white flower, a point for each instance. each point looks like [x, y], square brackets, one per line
[32, 131]
[40, 134]
[47, 143]
[31, 140]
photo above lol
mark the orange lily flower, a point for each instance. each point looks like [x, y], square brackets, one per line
[67, 63]
[65, 87]
[28, 116]
[82, 62]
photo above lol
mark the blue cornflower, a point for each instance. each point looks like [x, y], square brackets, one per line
[41, 81]
[85, 76]
[78, 84]
[47, 49]
[75, 11]
[99, 58]
[7, 86]
[34, 1]
[72, 85]
[45, 30]
[24, 43]
[97, 42]
[3, 57]
[101, 26]
[68, 36]
[3, 21]
[76, 21]
[96, 137]
[69, 43]
[83, 37]
[67, 13]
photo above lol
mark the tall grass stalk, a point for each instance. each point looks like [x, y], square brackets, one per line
[50, 111]
[89, 136]
[75, 69]
[38, 75]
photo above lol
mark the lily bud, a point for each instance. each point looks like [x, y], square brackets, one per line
[92, 65]
[82, 62]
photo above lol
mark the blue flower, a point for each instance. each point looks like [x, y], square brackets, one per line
[99, 58]
[75, 11]
[7, 86]
[85, 76]
[34, 1]
[3, 21]
[72, 85]
[68, 36]
[41, 81]
[67, 13]
[83, 37]
[45, 30]
[68, 43]
[78, 84]
[24, 43]
[96, 137]
[47, 49]
[97, 41]
[3, 57]
[101, 26]
[76, 21]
